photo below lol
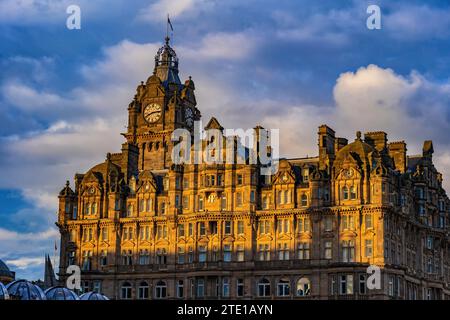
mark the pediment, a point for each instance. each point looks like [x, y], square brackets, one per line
[284, 237]
[104, 244]
[348, 234]
[265, 237]
[162, 242]
[213, 124]
[285, 177]
[228, 238]
[305, 236]
[128, 243]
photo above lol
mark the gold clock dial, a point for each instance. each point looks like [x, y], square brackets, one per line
[152, 112]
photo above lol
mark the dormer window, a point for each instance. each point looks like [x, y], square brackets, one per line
[304, 200]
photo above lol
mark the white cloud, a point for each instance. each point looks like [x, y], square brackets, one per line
[24, 263]
[8, 235]
[418, 22]
[28, 99]
[222, 46]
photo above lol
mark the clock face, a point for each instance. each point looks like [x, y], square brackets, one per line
[189, 117]
[152, 112]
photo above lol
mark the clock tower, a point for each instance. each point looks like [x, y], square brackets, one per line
[160, 105]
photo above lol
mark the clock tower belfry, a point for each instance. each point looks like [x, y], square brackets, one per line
[161, 105]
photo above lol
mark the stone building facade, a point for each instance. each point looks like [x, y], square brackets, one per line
[142, 227]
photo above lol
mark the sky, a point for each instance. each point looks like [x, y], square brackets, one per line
[292, 65]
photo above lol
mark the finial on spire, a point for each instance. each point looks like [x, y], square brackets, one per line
[67, 183]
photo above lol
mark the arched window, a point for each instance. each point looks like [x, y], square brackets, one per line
[264, 288]
[345, 192]
[163, 208]
[148, 205]
[352, 193]
[160, 290]
[130, 210]
[304, 200]
[143, 290]
[94, 208]
[303, 287]
[141, 205]
[283, 287]
[87, 210]
[125, 291]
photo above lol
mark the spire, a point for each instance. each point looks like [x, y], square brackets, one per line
[49, 273]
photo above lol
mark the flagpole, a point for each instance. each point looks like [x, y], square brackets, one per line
[167, 26]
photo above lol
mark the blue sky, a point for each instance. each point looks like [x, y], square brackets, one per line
[291, 65]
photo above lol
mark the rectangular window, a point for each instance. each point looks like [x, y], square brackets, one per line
[239, 199]
[181, 230]
[346, 284]
[240, 253]
[240, 227]
[369, 248]
[181, 255]
[185, 202]
[264, 252]
[362, 284]
[225, 287]
[303, 252]
[202, 254]
[252, 196]
[105, 234]
[227, 227]
[104, 258]
[240, 287]
[213, 227]
[227, 253]
[348, 251]
[368, 221]
[200, 288]
[180, 289]
[283, 251]
[307, 225]
[202, 229]
[191, 229]
[239, 179]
